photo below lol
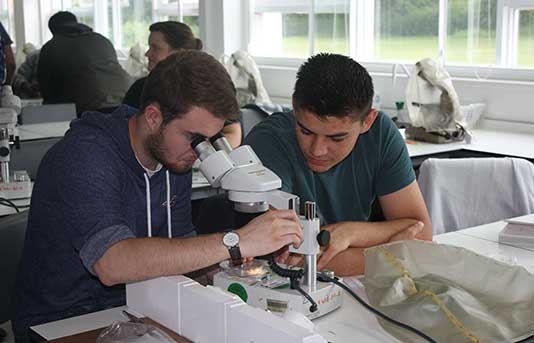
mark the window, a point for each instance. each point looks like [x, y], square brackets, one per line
[405, 30]
[471, 32]
[283, 30]
[124, 22]
[331, 29]
[280, 29]
[6, 17]
[481, 33]
[525, 53]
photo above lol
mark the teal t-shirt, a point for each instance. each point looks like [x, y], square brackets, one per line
[378, 165]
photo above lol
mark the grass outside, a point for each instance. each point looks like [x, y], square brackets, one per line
[412, 49]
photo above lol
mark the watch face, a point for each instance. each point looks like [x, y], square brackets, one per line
[231, 239]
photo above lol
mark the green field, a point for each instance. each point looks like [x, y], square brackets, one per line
[411, 49]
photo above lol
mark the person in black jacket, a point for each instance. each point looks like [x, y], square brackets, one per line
[79, 65]
[166, 38]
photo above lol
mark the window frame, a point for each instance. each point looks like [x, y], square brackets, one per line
[361, 43]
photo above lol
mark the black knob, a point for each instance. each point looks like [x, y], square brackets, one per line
[4, 151]
[323, 238]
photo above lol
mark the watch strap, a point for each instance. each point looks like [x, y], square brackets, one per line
[235, 254]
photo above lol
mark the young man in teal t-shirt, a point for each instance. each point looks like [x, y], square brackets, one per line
[336, 150]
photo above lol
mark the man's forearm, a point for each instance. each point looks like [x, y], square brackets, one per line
[368, 234]
[347, 263]
[145, 258]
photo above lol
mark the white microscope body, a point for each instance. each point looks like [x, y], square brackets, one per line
[16, 185]
[253, 188]
[185, 307]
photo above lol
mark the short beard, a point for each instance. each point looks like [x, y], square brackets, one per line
[155, 147]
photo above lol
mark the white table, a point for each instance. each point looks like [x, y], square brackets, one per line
[43, 130]
[485, 140]
[351, 322]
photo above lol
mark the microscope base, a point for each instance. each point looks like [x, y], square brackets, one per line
[272, 293]
[18, 192]
[16, 189]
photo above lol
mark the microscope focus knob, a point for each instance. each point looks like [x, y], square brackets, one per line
[4, 151]
[323, 238]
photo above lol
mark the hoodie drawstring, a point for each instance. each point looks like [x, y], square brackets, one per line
[169, 230]
[148, 210]
[148, 205]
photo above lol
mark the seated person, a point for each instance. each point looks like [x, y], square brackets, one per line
[115, 177]
[166, 38]
[336, 150]
[25, 82]
[80, 66]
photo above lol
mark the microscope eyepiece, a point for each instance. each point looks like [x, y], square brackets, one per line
[197, 139]
[216, 136]
[220, 142]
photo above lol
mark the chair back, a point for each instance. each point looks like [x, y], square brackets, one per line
[465, 192]
[12, 234]
[250, 116]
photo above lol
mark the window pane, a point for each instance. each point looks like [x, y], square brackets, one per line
[471, 33]
[332, 26]
[279, 28]
[138, 15]
[7, 19]
[406, 30]
[83, 9]
[525, 45]
[192, 22]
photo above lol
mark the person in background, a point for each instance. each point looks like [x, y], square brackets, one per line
[335, 150]
[80, 66]
[116, 177]
[166, 38]
[7, 58]
[25, 82]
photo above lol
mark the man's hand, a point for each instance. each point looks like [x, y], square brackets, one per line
[270, 232]
[341, 237]
[409, 233]
[289, 259]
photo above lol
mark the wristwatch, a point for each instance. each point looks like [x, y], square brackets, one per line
[231, 241]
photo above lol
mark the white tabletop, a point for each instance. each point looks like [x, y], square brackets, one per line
[84, 323]
[351, 322]
[43, 130]
[493, 141]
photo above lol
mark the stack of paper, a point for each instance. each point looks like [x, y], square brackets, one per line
[519, 232]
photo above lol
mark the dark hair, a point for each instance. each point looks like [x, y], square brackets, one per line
[190, 78]
[59, 19]
[177, 35]
[333, 85]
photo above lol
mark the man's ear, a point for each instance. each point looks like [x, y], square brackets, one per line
[369, 120]
[153, 117]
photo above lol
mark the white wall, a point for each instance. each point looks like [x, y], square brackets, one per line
[505, 100]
